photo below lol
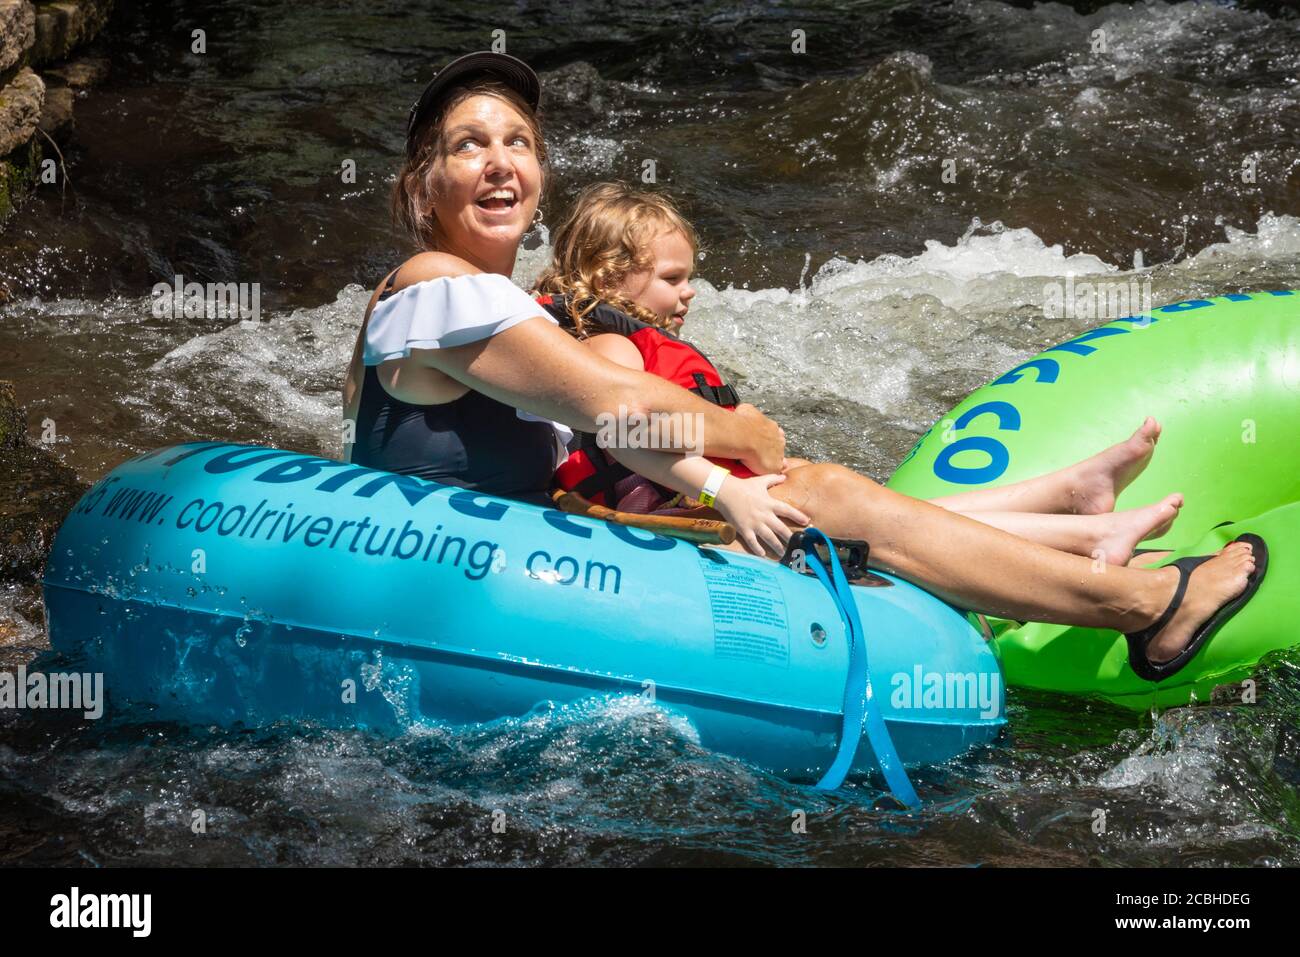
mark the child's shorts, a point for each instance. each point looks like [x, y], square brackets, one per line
[639, 495]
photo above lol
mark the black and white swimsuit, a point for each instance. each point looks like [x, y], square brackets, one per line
[474, 441]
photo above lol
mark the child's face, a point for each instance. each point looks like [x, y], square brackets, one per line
[664, 288]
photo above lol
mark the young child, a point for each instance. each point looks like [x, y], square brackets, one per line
[620, 280]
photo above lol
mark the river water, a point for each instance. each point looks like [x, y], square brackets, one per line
[852, 289]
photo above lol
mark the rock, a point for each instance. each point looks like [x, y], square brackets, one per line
[20, 110]
[576, 88]
[18, 173]
[13, 421]
[81, 73]
[17, 32]
[38, 34]
[22, 623]
[36, 493]
[56, 117]
[62, 27]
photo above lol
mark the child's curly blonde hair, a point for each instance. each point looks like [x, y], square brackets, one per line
[606, 238]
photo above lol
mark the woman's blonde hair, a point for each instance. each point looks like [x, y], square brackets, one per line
[416, 187]
[606, 238]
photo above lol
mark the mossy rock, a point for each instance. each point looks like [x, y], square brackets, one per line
[64, 25]
[13, 422]
[18, 172]
[36, 493]
[8, 74]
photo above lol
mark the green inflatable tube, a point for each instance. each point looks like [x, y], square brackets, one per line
[1222, 376]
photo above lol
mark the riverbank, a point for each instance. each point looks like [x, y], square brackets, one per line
[39, 81]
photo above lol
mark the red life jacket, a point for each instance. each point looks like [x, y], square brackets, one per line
[588, 470]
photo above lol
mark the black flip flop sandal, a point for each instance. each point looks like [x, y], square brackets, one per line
[1151, 551]
[1139, 641]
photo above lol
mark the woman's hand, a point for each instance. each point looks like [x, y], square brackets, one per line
[748, 505]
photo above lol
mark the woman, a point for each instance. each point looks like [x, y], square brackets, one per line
[450, 347]
[452, 336]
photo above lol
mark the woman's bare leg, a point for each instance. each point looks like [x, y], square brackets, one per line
[1089, 487]
[1149, 558]
[1111, 537]
[985, 569]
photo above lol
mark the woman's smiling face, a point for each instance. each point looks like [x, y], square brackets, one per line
[488, 179]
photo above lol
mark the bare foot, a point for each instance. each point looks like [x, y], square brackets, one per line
[1123, 530]
[1098, 481]
[1210, 586]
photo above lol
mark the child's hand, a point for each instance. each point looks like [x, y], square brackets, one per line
[748, 505]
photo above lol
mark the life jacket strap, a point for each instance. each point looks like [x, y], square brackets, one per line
[607, 474]
[717, 394]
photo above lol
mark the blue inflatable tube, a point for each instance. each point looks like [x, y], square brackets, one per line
[229, 584]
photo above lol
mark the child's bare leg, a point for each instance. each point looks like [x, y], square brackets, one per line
[982, 568]
[1112, 536]
[1089, 487]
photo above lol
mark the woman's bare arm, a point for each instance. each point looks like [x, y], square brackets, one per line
[538, 367]
[672, 469]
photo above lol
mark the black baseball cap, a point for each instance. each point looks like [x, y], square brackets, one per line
[511, 71]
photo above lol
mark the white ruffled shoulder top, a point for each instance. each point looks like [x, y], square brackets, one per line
[453, 311]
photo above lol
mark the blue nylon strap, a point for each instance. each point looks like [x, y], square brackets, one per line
[860, 704]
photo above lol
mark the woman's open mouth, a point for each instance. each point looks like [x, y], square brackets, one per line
[498, 200]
